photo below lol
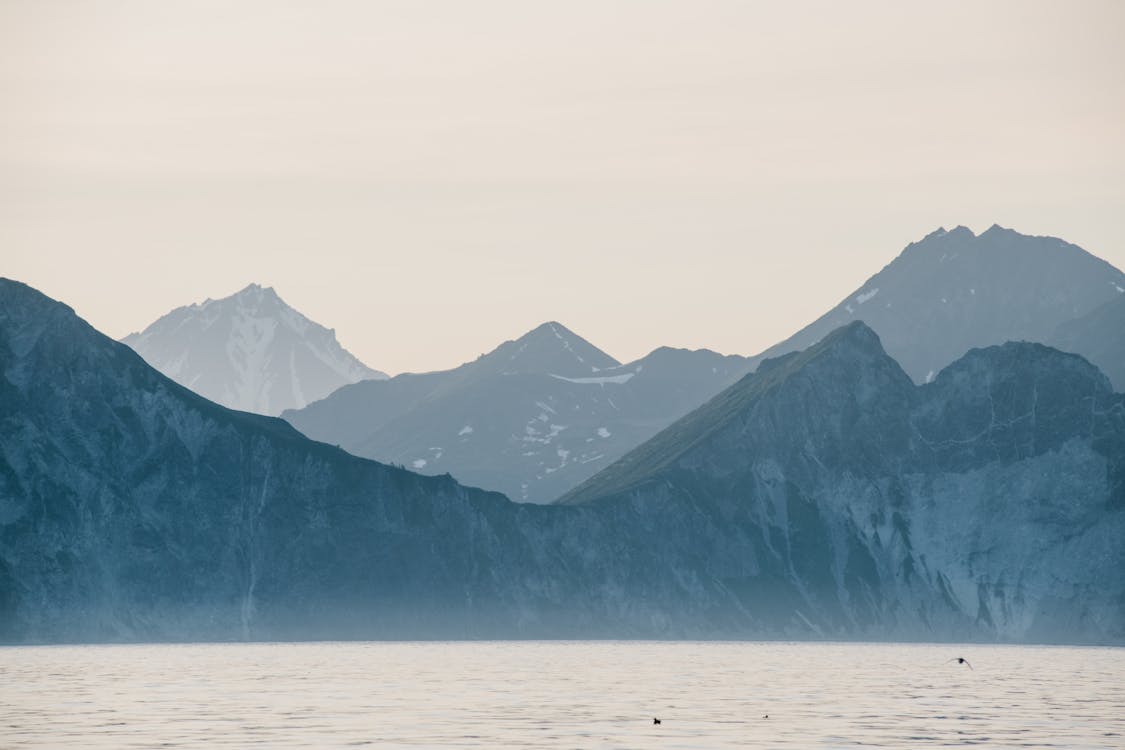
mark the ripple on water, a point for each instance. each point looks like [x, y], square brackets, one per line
[556, 694]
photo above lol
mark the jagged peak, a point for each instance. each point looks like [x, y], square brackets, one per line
[996, 231]
[550, 347]
[252, 295]
[257, 293]
[938, 238]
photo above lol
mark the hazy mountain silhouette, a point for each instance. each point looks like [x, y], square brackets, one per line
[532, 419]
[823, 496]
[953, 291]
[249, 351]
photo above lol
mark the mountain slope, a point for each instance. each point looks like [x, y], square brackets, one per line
[130, 507]
[531, 419]
[133, 509]
[1099, 336]
[998, 489]
[954, 291]
[841, 501]
[249, 351]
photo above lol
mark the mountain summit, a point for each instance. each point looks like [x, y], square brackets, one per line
[532, 418]
[249, 351]
[955, 290]
[550, 347]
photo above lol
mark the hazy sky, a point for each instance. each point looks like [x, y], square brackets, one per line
[431, 178]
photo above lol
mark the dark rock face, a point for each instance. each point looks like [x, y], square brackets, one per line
[824, 496]
[954, 291]
[991, 499]
[532, 419]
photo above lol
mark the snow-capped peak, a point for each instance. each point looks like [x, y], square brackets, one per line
[249, 351]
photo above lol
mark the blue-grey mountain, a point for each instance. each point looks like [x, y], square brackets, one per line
[991, 498]
[954, 291]
[823, 496]
[532, 419]
[249, 351]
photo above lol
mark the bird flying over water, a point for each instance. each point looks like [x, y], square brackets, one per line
[655, 720]
[961, 660]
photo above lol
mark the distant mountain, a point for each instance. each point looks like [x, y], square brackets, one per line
[249, 351]
[824, 496]
[953, 291]
[531, 419]
[1099, 336]
[992, 498]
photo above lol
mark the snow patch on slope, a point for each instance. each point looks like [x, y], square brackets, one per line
[617, 379]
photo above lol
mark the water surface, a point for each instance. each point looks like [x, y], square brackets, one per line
[560, 695]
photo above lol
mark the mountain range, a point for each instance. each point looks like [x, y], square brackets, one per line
[824, 495]
[991, 498]
[953, 291]
[539, 415]
[532, 419]
[249, 351]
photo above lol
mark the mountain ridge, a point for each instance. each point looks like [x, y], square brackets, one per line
[998, 487]
[954, 290]
[250, 351]
[529, 418]
[134, 509]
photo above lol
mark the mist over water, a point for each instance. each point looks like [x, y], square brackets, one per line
[560, 694]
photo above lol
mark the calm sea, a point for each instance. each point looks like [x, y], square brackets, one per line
[561, 695]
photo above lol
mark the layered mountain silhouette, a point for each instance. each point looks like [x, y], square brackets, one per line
[825, 495]
[994, 495]
[543, 413]
[954, 291]
[532, 419]
[249, 351]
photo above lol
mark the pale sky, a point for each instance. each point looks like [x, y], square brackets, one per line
[431, 178]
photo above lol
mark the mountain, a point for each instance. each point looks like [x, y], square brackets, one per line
[249, 351]
[1099, 336]
[825, 496]
[954, 291]
[532, 419]
[991, 498]
[133, 508]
